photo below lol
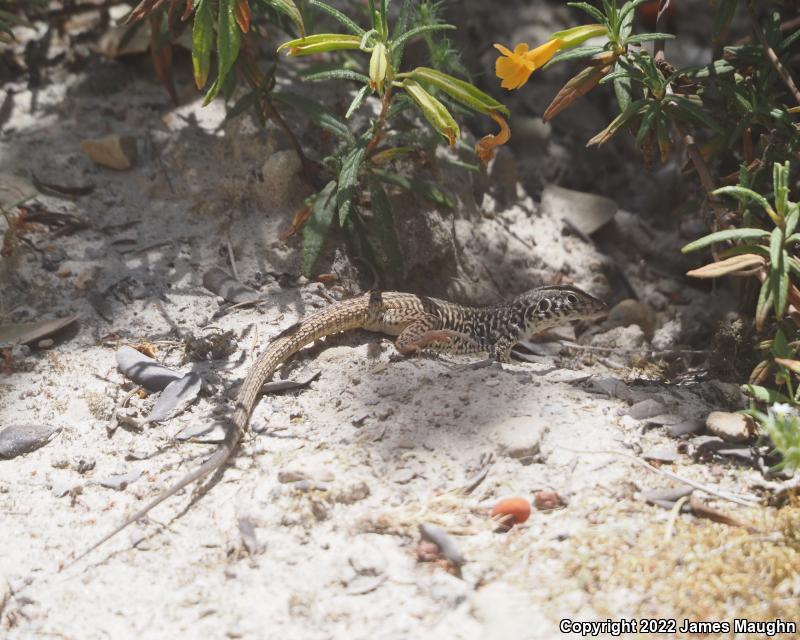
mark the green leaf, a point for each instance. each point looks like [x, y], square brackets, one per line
[384, 221]
[647, 123]
[727, 234]
[434, 111]
[316, 113]
[780, 346]
[695, 114]
[336, 74]
[358, 100]
[416, 31]
[228, 42]
[605, 135]
[348, 181]
[778, 272]
[647, 37]
[316, 229]
[461, 91]
[744, 195]
[792, 220]
[780, 186]
[425, 189]
[628, 7]
[623, 89]
[290, 10]
[575, 54]
[762, 394]
[320, 43]
[202, 41]
[338, 15]
[713, 70]
[725, 12]
[764, 304]
[592, 11]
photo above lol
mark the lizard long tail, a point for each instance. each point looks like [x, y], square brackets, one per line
[347, 315]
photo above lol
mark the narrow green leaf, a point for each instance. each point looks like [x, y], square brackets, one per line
[623, 89]
[762, 394]
[348, 181]
[713, 70]
[358, 100]
[338, 15]
[316, 229]
[316, 113]
[592, 11]
[628, 7]
[202, 41]
[575, 54]
[228, 42]
[744, 195]
[791, 222]
[290, 10]
[725, 12]
[459, 90]
[694, 113]
[727, 234]
[647, 37]
[764, 304]
[336, 74]
[778, 272]
[622, 119]
[384, 221]
[417, 31]
[425, 189]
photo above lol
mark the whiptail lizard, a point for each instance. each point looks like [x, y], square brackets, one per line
[420, 323]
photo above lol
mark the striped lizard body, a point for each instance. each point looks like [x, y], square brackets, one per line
[420, 323]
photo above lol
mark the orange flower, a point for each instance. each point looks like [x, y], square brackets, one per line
[486, 145]
[515, 67]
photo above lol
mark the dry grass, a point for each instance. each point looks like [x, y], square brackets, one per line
[703, 571]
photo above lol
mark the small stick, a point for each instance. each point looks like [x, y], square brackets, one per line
[747, 501]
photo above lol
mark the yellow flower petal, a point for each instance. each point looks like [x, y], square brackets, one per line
[514, 67]
[541, 55]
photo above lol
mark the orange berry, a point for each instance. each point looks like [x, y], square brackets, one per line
[511, 511]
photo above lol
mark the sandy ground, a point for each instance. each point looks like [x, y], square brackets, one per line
[336, 477]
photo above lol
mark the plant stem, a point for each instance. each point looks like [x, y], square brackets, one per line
[379, 126]
[773, 58]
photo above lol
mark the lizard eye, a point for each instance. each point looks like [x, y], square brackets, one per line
[572, 299]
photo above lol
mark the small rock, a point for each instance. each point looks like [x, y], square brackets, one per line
[585, 211]
[352, 493]
[667, 335]
[279, 172]
[520, 437]
[87, 278]
[731, 427]
[629, 312]
[285, 476]
[685, 427]
[403, 476]
[18, 439]
[646, 409]
[661, 454]
[548, 500]
[703, 446]
[666, 497]
[621, 338]
[115, 152]
[366, 560]
[121, 481]
[47, 343]
[82, 465]
[64, 270]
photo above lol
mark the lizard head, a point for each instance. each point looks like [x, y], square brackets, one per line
[546, 307]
